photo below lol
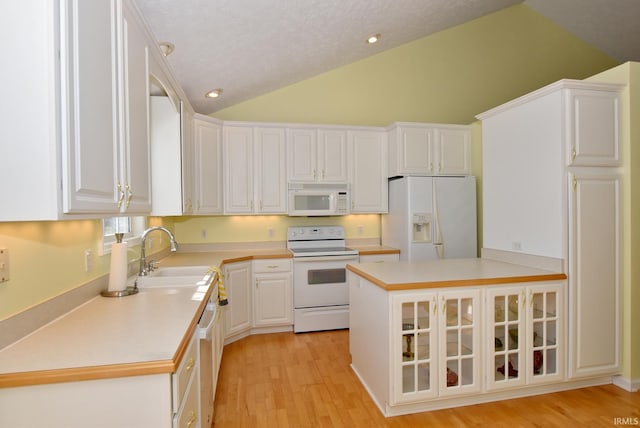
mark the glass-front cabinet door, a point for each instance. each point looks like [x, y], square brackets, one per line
[414, 349]
[524, 333]
[459, 342]
[545, 322]
[506, 311]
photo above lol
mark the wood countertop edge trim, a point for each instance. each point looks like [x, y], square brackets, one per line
[457, 283]
[250, 257]
[377, 252]
[75, 374]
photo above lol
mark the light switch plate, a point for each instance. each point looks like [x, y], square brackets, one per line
[4, 264]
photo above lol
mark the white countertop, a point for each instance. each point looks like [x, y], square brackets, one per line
[449, 273]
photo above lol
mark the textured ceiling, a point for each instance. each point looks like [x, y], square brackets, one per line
[251, 47]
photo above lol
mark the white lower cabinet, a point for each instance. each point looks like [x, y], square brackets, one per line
[435, 345]
[524, 335]
[238, 314]
[260, 295]
[185, 387]
[272, 298]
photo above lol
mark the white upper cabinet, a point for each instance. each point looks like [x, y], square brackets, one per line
[593, 134]
[255, 169]
[317, 155]
[429, 149]
[238, 161]
[207, 168]
[84, 149]
[368, 171]
[270, 171]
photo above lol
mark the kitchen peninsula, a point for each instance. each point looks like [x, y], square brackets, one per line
[444, 333]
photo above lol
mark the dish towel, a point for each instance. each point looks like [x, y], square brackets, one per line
[222, 293]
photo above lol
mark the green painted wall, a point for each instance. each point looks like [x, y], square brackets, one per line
[447, 77]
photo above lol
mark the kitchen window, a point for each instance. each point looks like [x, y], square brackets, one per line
[132, 227]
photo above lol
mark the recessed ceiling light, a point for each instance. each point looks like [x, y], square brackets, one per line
[214, 93]
[166, 48]
[373, 39]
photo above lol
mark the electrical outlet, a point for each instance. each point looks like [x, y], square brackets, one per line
[4, 264]
[360, 229]
[88, 260]
[203, 233]
[270, 232]
[516, 246]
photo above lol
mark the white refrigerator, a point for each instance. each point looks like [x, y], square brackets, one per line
[431, 217]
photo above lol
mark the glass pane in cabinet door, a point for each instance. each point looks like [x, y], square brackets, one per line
[408, 378]
[423, 314]
[451, 374]
[452, 312]
[538, 334]
[466, 372]
[551, 304]
[408, 316]
[424, 377]
[452, 343]
[466, 341]
[550, 338]
[408, 347]
[538, 305]
[466, 311]
[550, 363]
[499, 308]
[499, 338]
[423, 346]
[500, 367]
[514, 307]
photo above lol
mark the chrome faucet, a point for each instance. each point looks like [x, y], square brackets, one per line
[144, 268]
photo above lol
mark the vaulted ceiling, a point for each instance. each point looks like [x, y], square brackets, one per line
[251, 47]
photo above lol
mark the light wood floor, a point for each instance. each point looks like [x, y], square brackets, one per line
[304, 380]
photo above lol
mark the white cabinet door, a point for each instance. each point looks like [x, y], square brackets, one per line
[272, 299]
[238, 313]
[594, 273]
[166, 148]
[368, 172]
[89, 92]
[453, 151]
[429, 149]
[189, 159]
[593, 134]
[459, 328]
[435, 345]
[207, 166]
[301, 154]
[270, 172]
[525, 335]
[332, 156]
[238, 158]
[135, 159]
[414, 347]
[415, 150]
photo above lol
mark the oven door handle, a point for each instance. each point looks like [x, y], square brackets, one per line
[325, 258]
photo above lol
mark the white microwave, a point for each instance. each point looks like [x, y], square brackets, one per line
[318, 199]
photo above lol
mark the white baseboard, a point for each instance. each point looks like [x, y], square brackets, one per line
[631, 385]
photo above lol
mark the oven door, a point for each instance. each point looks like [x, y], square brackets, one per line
[321, 281]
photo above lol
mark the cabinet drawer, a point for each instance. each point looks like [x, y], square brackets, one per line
[186, 368]
[271, 265]
[187, 416]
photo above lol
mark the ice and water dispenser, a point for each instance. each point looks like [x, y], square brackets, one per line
[422, 227]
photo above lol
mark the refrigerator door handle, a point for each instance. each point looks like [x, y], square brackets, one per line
[437, 243]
